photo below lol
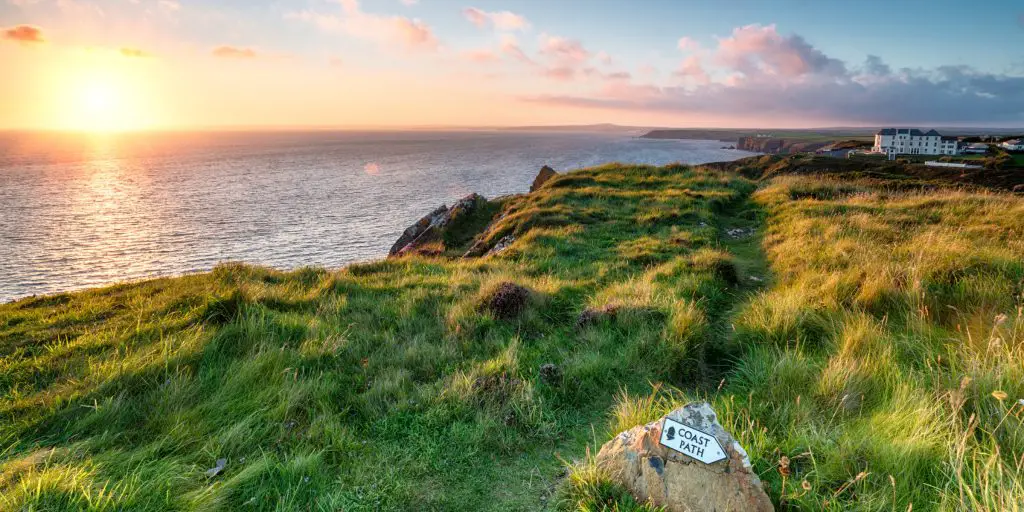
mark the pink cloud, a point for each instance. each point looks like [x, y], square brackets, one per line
[688, 44]
[693, 69]
[759, 51]
[481, 56]
[604, 58]
[501, 20]
[231, 52]
[406, 32]
[25, 34]
[510, 46]
[564, 50]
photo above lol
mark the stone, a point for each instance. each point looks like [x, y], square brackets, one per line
[504, 243]
[668, 478]
[550, 374]
[591, 316]
[217, 468]
[545, 174]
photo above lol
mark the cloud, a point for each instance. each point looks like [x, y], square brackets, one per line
[773, 77]
[566, 51]
[336, 62]
[133, 53]
[604, 58]
[756, 50]
[510, 47]
[481, 56]
[385, 30]
[501, 20]
[25, 34]
[409, 3]
[170, 5]
[687, 44]
[231, 52]
[692, 69]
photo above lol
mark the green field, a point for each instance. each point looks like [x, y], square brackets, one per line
[873, 337]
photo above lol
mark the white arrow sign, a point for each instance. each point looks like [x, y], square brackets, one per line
[691, 442]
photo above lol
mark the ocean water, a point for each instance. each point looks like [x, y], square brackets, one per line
[82, 210]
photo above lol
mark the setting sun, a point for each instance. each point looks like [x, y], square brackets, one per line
[101, 103]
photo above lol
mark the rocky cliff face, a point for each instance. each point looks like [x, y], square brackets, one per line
[462, 229]
[442, 228]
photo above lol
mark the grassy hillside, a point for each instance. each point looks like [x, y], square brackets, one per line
[863, 344]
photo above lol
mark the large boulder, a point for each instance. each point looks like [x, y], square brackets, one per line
[545, 174]
[685, 462]
[432, 227]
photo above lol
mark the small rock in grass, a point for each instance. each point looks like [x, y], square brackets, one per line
[591, 316]
[217, 469]
[550, 374]
[508, 300]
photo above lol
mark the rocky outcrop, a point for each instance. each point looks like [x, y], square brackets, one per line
[545, 174]
[667, 470]
[431, 228]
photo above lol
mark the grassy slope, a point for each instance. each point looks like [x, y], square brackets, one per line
[380, 386]
[870, 347]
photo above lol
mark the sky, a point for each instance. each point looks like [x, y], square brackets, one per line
[179, 64]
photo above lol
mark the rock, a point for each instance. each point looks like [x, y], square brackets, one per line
[504, 243]
[550, 374]
[591, 316]
[480, 247]
[431, 228]
[507, 300]
[671, 479]
[217, 468]
[413, 232]
[545, 174]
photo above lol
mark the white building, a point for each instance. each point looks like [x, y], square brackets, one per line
[1013, 145]
[911, 141]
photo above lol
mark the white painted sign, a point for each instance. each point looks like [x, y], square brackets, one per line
[691, 442]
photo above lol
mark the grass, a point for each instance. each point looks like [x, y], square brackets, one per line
[871, 336]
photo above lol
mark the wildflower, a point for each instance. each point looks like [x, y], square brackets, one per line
[806, 485]
[1000, 318]
[999, 395]
[784, 466]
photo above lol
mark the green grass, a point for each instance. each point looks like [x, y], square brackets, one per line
[860, 332]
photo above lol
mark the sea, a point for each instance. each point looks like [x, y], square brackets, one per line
[86, 210]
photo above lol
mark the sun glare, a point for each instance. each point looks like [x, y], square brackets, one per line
[98, 96]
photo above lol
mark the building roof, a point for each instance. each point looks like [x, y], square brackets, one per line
[913, 132]
[1013, 142]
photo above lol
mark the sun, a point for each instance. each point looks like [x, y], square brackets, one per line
[101, 99]
[100, 105]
